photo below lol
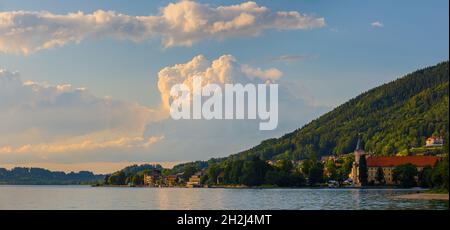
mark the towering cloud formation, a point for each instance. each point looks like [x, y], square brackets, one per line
[200, 139]
[177, 24]
[60, 123]
[221, 71]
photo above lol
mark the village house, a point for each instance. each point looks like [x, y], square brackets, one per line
[434, 141]
[153, 179]
[171, 180]
[194, 180]
[324, 159]
[149, 180]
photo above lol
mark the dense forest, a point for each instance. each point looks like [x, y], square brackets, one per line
[39, 176]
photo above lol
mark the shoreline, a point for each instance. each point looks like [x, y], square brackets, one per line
[419, 190]
[423, 196]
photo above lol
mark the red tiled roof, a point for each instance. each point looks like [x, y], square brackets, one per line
[419, 161]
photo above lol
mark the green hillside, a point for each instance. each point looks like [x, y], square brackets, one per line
[391, 118]
[396, 117]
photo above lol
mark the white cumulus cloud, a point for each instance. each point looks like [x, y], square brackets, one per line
[201, 139]
[177, 24]
[223, 70]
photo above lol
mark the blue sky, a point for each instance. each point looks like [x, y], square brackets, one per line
[348, 49]
[339, 60]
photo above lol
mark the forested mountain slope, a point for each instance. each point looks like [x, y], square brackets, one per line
[390, 118]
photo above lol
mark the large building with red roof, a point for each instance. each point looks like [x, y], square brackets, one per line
[387, 164]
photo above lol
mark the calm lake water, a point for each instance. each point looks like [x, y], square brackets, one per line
[85, 197]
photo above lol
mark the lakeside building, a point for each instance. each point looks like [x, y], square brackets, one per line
[150, 180]
[156, 179]
[387, 164]
[324, 159]
[434, 141]
[194, 180]
[171, 180]
[153, 179]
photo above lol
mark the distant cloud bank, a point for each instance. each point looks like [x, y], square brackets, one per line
[178, 24]
[43, 119]
[293, 58]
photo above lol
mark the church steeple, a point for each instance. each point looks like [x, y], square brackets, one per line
[358, 145]
[359, 152]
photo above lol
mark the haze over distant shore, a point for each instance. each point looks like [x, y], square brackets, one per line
[95, 167]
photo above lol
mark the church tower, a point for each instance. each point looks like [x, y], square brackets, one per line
[359, 152]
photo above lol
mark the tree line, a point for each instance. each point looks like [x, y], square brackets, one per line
[40, 176]
[281, 173]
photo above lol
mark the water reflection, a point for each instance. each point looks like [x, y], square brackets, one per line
[84, 197]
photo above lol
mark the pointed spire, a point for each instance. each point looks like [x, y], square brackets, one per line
[358, 145]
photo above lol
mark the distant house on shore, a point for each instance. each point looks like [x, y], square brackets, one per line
[324, 159]
[152, 179]
[172, 180]
[194, 180]
[434, 141]
[387, 164]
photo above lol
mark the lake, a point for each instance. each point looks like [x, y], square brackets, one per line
[86, 197]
